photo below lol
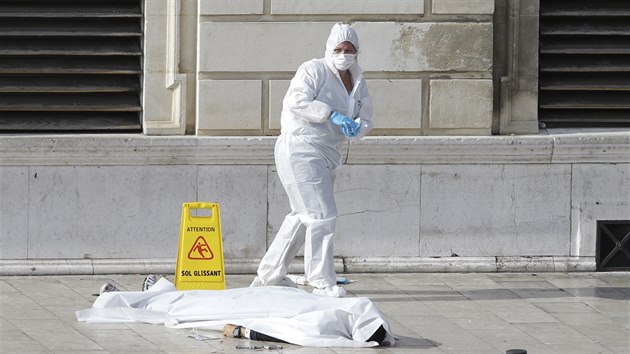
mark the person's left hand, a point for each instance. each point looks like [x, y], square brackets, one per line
[349, 127]
[350, 130]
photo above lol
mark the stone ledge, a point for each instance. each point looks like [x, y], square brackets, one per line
[468, 264]
[342, 265]
[593, 148]
[100, 150]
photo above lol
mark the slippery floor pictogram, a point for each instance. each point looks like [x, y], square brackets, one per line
[200, 250]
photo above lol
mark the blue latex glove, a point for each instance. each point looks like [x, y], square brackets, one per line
[348, 126]
[349, 132]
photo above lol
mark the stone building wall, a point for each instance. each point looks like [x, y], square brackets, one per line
[428, 63]
[215, 72]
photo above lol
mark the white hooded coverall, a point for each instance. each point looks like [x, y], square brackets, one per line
[307, 154]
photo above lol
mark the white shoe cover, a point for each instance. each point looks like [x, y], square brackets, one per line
[256, 283]
[333, 291]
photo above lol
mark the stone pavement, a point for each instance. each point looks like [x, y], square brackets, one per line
[429, 312]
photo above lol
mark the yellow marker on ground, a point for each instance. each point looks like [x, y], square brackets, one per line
[200, 253]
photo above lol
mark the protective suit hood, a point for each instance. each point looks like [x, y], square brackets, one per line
[340, 33]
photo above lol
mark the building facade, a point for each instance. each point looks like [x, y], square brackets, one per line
[458, 174]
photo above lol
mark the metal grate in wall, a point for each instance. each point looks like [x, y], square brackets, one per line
[613, 245]
[584, 63]
[70, 65]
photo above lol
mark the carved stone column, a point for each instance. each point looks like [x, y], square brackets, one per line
[519, 89]
[164, 87]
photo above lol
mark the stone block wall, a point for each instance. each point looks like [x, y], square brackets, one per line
[94, 204]
[428, 63]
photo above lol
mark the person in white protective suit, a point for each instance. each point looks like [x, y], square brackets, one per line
[326, 103]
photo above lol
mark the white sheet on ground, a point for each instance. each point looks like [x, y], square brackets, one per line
[290, 314]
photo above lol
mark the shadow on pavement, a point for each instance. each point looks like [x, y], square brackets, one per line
[613, 293]
[416, 343]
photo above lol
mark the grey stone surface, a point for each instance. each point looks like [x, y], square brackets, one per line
[322, 7]
[398, 103]
[376, 216]
[600, 192]
[107, 211]
[119, 197]
[594, 147]
[482, 210]
[241, 192]
[378, 208]
[13, 212]
[444, 46]
[277, 90]
[463, 6]
[187, 42]
[260, 46]
[461, 104]
[547, 313]
[519, 81]
[452, 150]
[230, 7]
[221, 105]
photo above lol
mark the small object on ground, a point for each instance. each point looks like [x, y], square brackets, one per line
[149, 281]
[232, 331]
[107, 288]
[259, 347]
[343, 280]
[516, 351]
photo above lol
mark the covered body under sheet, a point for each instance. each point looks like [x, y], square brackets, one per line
[289, 314]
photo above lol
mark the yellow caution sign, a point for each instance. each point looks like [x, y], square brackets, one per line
[200, 254]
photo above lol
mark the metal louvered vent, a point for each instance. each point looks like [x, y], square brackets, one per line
[70, 65]
[584, 63]
[613, 245]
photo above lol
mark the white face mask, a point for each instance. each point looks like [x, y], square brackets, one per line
[343, 61]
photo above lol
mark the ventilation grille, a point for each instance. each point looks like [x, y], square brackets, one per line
[613, 245]
[70, 65]
[584, 63]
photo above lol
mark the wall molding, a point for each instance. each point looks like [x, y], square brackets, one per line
[100, 150]
[342, 265]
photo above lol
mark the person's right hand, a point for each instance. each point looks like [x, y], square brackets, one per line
[348, 126]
